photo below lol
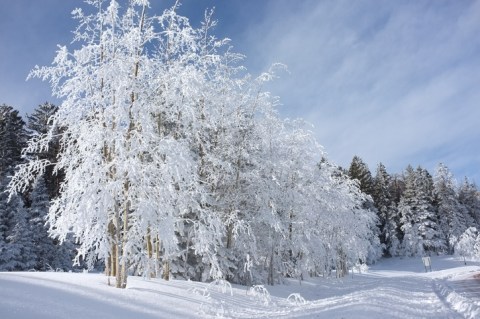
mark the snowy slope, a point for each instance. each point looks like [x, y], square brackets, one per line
[394, 288]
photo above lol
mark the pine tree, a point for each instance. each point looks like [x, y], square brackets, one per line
[13, 137]
[15, 239]
[469, 197]
[387, 211]
[39, 123]
[359, 171]
[5, 223]
[418, 221]
[44, 246]
[20, 245]
[15, 242]
[453, 216]
[428, 223]
[411, 245]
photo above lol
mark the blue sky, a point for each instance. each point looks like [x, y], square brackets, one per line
[396, 82]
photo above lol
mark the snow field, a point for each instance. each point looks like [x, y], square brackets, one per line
[393, 288]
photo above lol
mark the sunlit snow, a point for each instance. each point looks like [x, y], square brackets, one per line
[394, 288]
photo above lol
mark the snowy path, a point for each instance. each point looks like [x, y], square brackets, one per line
[392, 289]
[468, 287]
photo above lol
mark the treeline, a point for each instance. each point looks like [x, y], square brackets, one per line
[419, 213]
[24, 240]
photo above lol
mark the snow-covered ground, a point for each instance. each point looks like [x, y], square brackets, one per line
[394, 288]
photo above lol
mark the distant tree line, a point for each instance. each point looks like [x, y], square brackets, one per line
[24, 240]
[419, 213]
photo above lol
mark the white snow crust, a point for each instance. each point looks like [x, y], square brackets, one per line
[393, 288]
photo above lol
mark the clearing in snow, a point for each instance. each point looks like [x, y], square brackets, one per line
[393, 288]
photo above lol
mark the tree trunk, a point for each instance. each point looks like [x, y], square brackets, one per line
[126, 211]
[157, 257]
[166, 270]
[118, 249]
[229, 236]
[150, 270]
[270, 269]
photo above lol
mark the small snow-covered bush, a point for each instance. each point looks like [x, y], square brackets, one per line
[360, 267]
[222, 286]
[296, 299]
[200, 291]
[260, 293]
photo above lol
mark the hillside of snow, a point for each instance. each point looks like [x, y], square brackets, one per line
[393, 288]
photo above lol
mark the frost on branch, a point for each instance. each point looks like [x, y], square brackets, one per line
[176, 159]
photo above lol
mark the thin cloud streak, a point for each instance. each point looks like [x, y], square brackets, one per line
[393, 82]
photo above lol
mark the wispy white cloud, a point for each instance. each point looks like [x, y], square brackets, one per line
[390, 81]
[394, 82]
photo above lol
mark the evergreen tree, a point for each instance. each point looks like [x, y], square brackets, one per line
[15, 235]
[41, 119]
[39, 123]
[13, 138]
[428, 223]
[417, 214]
[359, 171]
[411, 245]
[397, 187]
[20, 245]
[43, 246]
[5, 222]
[387, 211]
[15, 242]
[453, 216]
[469, 197]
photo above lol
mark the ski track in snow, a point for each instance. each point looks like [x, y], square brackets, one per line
[394, 288]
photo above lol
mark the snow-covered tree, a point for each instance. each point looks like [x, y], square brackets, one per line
[16, 237]
[469, 197]
[39, 123]
[14, 232]
[20, 246]
[387, 211]
[418, 220]
[5, 223]
[429, 225]
[48, 252]
[13, 137]
[452, 214]
[124, 178]
[359, 171]
[175, 159]
[468, 244]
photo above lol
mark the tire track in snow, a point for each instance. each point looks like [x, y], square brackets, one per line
[458, 296]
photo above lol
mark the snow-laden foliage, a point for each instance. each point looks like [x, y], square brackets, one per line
[175, 159]
[453, 216]
[468, 244]
[16, 247]
[419, 224]
[387, 211]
